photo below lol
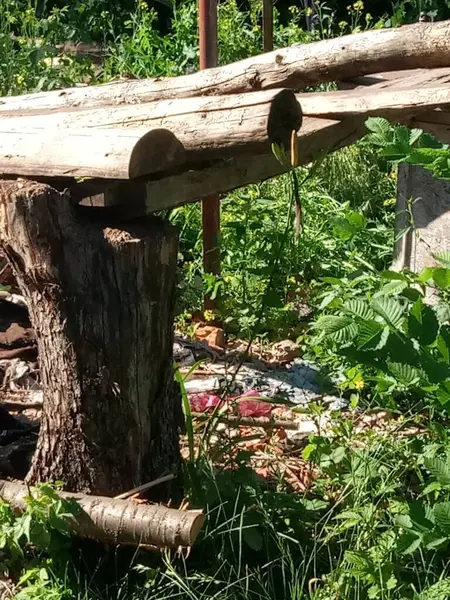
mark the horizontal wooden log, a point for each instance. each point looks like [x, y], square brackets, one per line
[415, 78]
[150, 138]
[240, 120]
[109, 153]
[408, 47]
[184, 131]
[390, 103]
[119, 521]
[316, 136]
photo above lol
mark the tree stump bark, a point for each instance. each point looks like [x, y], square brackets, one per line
[101, 299]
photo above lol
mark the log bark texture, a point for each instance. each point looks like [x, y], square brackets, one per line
[130, 141]
[136, 140]
[100, 297]
[296, 67]
[118, 521]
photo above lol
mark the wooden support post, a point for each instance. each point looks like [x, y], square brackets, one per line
[207, 16]
[101, 299]
[267, 25]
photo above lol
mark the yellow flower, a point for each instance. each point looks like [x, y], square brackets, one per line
[209, 315]
[358, 5]
[359, 384]
[20, 79]
[342, 24]
[308, 11]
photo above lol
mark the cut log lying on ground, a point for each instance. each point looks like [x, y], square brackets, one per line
[150, 138]
[407, 47]
[121, 521]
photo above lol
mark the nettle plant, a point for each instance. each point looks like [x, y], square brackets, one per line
[391, 341]
[382, 335]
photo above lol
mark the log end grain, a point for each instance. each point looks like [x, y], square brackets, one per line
[285, 116]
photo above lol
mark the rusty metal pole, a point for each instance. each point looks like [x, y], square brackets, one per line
[267, 25]
[207, 21]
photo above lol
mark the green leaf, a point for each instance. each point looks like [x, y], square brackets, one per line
[404, 521]
[443, 258]
[439, 469]
[359, 308]
[441, 513]
[414, 136]
[406, 374]
[378, 125]
[390, 310]
[392, 288]
[441, 277]
[358, 559]
[443, 393]
[339, 329]
[434, 486]
[408, 542]
[253, 538]
[422, 323]
[372, 335]
[429, 141]
[395, 275]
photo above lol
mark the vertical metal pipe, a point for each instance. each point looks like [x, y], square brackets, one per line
[207, 21]
[267, 25]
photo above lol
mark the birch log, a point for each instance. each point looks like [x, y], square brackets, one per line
[120, 521]
[408, 47]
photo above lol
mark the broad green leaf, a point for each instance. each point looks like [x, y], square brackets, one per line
[442, 312]
[392, 288]
[372, 335]
[395, 275]
[441, 277]
[404, 521]
[439, 469]
[358, 559]
[339, 329]
[378, 125]
[406, 374]
[390, 310]
[443, 393]
[252, 537]
[429, 141]
[443, 258]
[423, 324]
[438, 591]
[414, 136]
[434, 486]
[360, 308]
[441, 513]
[408, 542]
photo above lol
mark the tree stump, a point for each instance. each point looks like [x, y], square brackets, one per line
[101, 300]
